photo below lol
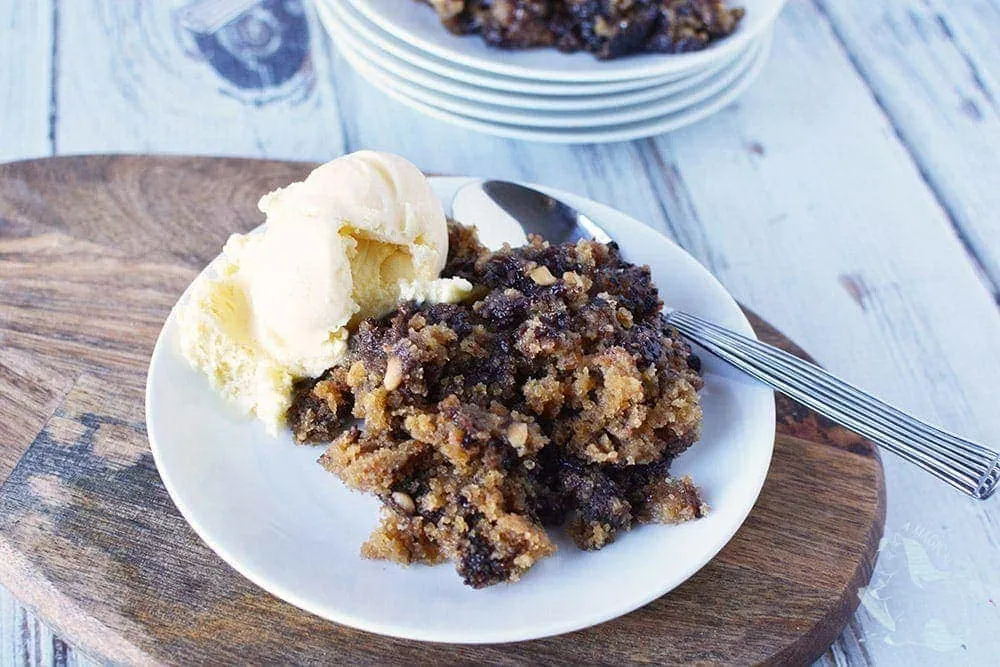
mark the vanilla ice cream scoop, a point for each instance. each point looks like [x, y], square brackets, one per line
[338, 247]
[348, 242]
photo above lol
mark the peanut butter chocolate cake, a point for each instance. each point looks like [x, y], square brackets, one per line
[556, 395]
[606, 28]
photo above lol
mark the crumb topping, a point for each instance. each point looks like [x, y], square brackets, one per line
[555, 395]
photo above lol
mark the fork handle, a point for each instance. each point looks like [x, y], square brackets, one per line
[965, 465]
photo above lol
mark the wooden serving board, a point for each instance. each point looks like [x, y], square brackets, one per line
[93, 253]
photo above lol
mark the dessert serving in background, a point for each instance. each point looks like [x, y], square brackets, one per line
[640, 68]
[500, 394]
[606, 28]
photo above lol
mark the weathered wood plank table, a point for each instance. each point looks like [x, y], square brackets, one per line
[850, 198]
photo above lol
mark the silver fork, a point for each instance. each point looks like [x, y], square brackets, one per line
[969, 467]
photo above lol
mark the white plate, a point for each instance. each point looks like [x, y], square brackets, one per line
[624, 132]
[465, 97]
[366, 31]
[417, 24]
[271, 512]
[624, 114]
[340, 20]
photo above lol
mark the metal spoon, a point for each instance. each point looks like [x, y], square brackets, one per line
[965, 465]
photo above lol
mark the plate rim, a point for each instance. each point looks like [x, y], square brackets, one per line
[452, 636]
[403, 68]
[627, 132]
[598, 119]
[492, 81]
[609, 71]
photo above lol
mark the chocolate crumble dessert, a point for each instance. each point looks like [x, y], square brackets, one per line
[555, 395]
[606, 28]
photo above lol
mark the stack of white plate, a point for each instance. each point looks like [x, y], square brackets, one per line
[401, 47]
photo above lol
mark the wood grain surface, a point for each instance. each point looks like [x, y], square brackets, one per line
[93, 253]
